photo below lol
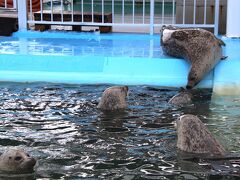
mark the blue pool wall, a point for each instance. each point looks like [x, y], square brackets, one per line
[227, 73]
[126, 70]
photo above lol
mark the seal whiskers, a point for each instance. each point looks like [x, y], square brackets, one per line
[16, 161]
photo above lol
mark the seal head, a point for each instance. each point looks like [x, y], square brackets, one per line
[114, 98]
[194, 137]
[182, 98]
[16, 161]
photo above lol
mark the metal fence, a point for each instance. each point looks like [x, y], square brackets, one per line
[150, 14]
[8, 4]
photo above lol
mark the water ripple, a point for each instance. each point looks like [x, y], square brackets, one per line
[61, 126]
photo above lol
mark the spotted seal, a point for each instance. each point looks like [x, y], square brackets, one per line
[114, 98]
[184, 97]
[16, 161]
[194, 137]
[200, 47]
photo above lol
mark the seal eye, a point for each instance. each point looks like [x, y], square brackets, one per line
[28, 155]
[18, 158]
[192, 78]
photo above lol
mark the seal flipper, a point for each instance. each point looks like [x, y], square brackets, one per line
[224, 57]
[221, 43]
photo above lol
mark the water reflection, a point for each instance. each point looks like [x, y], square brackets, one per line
[60, 125]
[84, 44]
[225, 120]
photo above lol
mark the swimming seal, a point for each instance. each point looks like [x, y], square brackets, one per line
[194, 137]
[16, 161]
[200, 47]
[114, 98]
[184, 97]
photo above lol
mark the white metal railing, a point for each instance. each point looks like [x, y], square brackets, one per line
[8, 4]
[126, 13]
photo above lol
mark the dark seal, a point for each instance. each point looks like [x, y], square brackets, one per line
[184, 97]
[194, 137]
[114, 98]
[200, 47]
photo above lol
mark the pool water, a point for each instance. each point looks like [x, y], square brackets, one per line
[60, 125]
[82, 44]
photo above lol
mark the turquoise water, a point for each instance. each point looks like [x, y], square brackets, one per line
[84, 44]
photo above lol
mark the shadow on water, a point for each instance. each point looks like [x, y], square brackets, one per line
[61, 126]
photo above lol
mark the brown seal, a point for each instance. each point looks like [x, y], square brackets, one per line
[114, 98]
[200, 47]
[194, 137]
[184, 97]
[16, 161]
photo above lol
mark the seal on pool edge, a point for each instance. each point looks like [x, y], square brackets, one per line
[114, 98]
[194, 137]
[200, 47]
[16, 161]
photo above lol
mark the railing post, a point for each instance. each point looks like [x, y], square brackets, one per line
[233, 16]
[22, 14]
[151, 17]
[15, 4]
[216, 18]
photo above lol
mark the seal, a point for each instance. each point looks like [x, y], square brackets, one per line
[182, 98]
[194, 137]
[16, 161]
[200, 47]
[114, 98]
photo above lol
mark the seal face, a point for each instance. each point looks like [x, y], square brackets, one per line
[200, 47]
[194, 137]
[16, 161]
[114, 98]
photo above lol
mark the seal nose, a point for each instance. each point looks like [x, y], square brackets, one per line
[33, 161]
[27, 166]
[188, 87]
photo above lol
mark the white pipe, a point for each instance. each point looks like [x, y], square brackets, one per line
[72, 10]
[184, 11]
[194, 11]
[102, 11]
[144, 11]
[152, 17]
[22, 15]
[113, 11]
[216, 17]
[163, 11]
[233, 16]
[205, 12]
[15, 4]
[31, 13]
